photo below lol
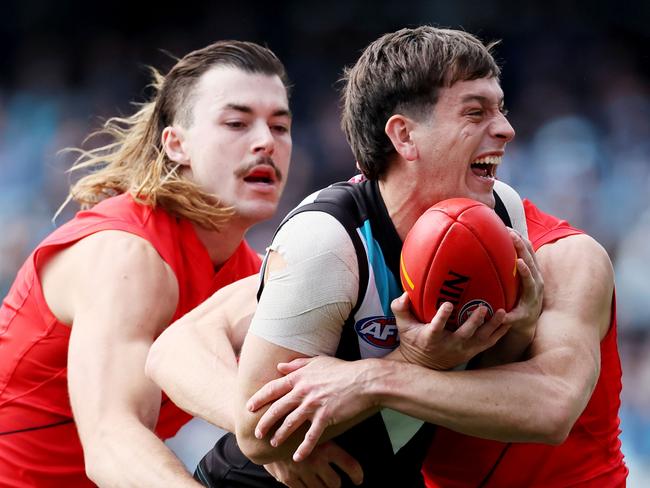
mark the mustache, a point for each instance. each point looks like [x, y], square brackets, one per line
[261, 161]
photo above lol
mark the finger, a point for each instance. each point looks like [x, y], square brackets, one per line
[289, 425]
[270, 392]
[275, 413]
[310, 441]
[310, 480]
[495, 329]
[488, 328]
[526, 252]
[520, 244]
[402, 311]
[501, 331]
[401, 305]
[328, 476]
[515, 315]
[345, 462]
[522, 309]
[292, 475]
[439, 320]
[529, 246]
[290, 367]
[475, 320]
[529, 294]
[528, 282]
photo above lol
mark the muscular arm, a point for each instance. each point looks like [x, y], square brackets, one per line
[258, 367]
[260, 356]
[537, 400]
[118, 294]
[194, 361]
[201, 347]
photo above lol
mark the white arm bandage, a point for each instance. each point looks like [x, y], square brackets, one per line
[304, 305]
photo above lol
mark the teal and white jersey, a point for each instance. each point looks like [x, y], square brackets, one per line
[389, 445]
[374, 320]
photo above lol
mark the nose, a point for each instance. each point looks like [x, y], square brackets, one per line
[502, 129]
[263, 141]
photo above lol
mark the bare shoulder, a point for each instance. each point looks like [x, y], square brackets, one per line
[110, 270]
[578, 279]
[578, 253]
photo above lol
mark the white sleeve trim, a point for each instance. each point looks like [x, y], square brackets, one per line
[514, 206]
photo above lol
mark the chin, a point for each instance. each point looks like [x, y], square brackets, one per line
[258, 212]
[487, 199]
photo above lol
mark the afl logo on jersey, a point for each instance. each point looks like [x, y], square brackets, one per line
[379, 331]
[472, 305]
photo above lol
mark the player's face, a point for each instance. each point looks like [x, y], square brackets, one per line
[239, 140]
[462, 143]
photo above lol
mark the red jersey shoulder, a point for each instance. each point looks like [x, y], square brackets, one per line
[544, 228]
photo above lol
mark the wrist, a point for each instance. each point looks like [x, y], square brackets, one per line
[381, 374]
[396, 355]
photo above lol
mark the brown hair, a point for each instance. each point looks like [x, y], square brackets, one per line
[402, 72]
[135, 161]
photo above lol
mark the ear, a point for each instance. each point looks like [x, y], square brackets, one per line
[398, 129]
[172, 140]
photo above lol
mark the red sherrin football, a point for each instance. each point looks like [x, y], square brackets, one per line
[459, 251]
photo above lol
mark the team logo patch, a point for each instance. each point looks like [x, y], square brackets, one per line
[378, 331]
[472, 305]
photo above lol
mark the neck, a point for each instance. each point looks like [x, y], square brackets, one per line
[221, 244]
[404, 201]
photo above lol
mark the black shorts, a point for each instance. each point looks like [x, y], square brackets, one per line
[226, 466]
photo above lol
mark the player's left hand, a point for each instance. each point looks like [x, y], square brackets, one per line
[523, 318]
[433, 346]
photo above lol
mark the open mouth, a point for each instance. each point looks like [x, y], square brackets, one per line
[486, 167]
[260, 175]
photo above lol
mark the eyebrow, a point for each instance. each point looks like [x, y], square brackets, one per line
[248, 110]
[480, 98]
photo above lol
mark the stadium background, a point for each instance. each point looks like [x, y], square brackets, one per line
[576, 78]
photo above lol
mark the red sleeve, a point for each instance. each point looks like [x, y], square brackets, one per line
[544, 228]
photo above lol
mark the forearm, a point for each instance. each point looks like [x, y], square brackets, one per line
[510, 403]
[198, 379]
[127, 454]
[194, 360]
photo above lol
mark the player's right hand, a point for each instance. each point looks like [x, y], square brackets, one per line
[316, 470]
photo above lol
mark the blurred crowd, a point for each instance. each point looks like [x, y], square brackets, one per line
[580, 103]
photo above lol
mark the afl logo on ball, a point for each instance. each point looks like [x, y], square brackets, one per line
[472, 305]
[379, 331]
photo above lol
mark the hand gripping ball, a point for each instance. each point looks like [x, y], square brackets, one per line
[459, 251]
